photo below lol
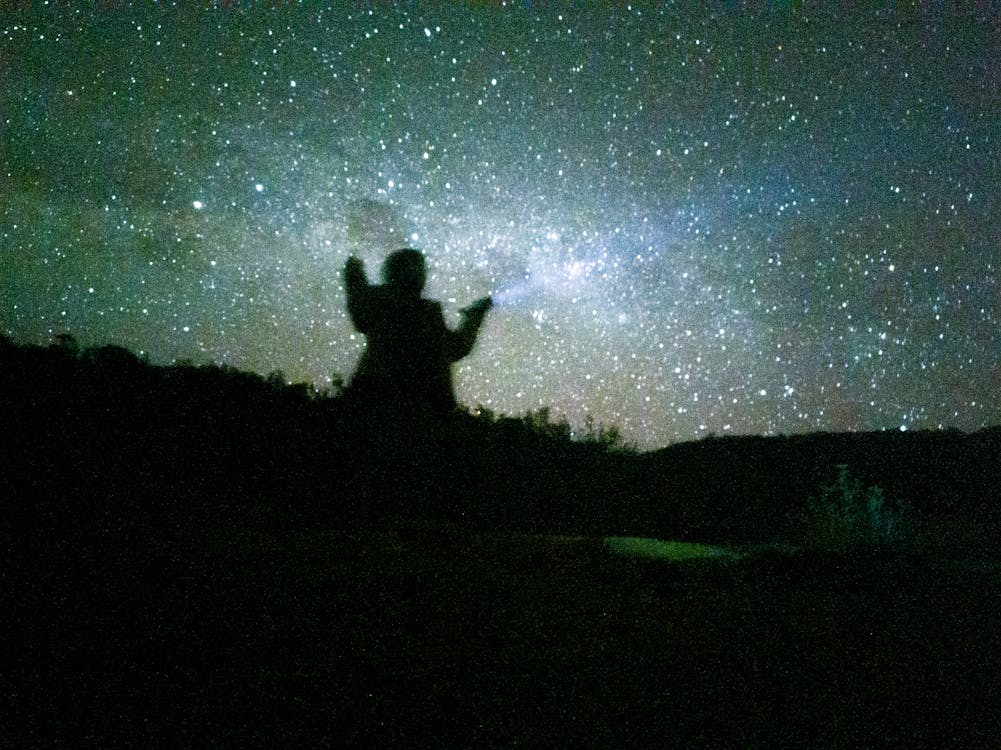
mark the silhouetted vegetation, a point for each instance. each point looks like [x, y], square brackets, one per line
[102, 423]
[845, 515]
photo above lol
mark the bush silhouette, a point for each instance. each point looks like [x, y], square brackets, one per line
[844, 515]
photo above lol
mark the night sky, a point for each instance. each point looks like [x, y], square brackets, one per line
[734, 221]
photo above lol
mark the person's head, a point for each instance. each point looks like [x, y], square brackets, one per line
[404, 271]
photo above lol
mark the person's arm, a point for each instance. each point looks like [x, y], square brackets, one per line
[358, 290]
[462, 339]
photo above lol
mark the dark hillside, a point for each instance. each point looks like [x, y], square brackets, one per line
[102, 428]
[756, 487]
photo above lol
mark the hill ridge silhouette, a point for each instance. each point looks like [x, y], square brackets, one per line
[102, 426]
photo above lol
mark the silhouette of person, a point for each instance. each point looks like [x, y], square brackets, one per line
[406, 366]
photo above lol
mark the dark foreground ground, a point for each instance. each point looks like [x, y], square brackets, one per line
[238, 635]
[201, 557]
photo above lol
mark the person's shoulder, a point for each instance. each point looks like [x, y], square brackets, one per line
[431, 306]
[431, 310]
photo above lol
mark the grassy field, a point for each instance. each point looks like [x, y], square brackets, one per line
[237, 635]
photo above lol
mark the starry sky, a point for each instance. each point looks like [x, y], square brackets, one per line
[741, 220]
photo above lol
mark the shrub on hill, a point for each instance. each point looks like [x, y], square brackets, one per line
[843, 515]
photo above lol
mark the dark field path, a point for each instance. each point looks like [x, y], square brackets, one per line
[216, 636]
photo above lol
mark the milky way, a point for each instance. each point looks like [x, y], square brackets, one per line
[731, 222]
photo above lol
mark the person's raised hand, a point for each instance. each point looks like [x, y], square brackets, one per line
[479, 307]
